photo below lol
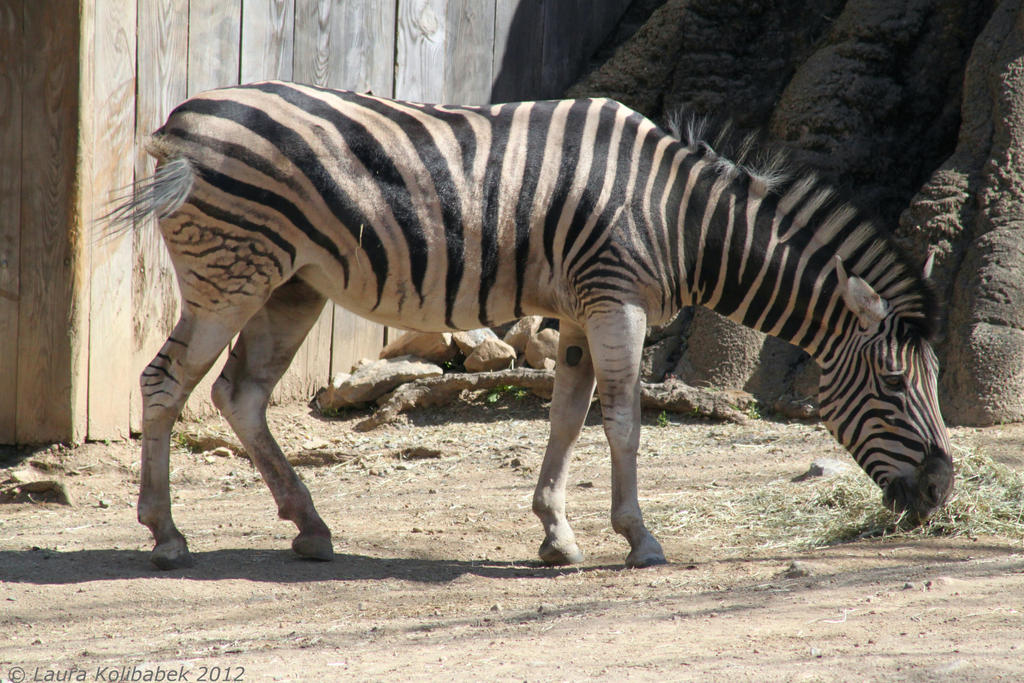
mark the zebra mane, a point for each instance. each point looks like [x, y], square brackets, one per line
[885, 265]
[768, 170]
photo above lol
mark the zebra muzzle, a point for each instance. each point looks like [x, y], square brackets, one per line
[921, 492]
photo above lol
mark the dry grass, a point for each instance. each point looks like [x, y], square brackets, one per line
[988, 501]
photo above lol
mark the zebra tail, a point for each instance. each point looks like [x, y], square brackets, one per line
[159, 195]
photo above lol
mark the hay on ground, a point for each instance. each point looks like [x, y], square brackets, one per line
[988, 500]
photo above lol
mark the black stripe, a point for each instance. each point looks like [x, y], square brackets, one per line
[500, 128]
[306, 160]
[444, 186]
[263, 198]
[694, 216]
[715, 244]
[733, 292]
[571, 146]
[600, 153]
[538, 125]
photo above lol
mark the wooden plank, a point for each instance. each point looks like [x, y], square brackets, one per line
[469, 53]
[214, 32]
[268, 28]
[214, 43]
[419, 72]
[11, 74]
[49, 262]
[600, 19]
[563, 59]
[355, 338]
[312, 48]
[162, 85]
[112, 376]
[518, 53]
[346, 45]
[349, 45]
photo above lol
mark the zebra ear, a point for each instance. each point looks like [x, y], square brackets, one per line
[929, 263]
[862, 299]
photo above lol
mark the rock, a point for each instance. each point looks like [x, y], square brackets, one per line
[877, 95]
[419, 453]
[371, 380]
[24, 475]
[823, 467]
[796, 408]
[211, 441]
[520, 333]
[542, 350]
[37, 491]
[434, 347]
[720, 353]
[797, 570]
[657, 359]
[490, 354]
[468, 340]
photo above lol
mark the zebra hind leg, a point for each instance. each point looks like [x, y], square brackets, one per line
[257, 361]
[616, 341]
[166, 383]
[570, 402]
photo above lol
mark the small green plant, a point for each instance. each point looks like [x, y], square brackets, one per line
[663, 420]
[495, 394]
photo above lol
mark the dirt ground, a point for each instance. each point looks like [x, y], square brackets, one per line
[436, 578]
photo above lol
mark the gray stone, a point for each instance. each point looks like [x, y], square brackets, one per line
[823, 467]
[876, 95]
[370, 380]
[490, 354]
[520, 333]
[542, 350]
[656, 361]
[468, 340]
[435, 347]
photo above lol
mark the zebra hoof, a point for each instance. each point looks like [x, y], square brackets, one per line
[645, 561]
[313, 547]
[646, 554]
[554, 556]
[171, 555]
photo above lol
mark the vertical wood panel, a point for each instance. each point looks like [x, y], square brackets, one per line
[419, 62]
[354, 338]
[46, 317]
[111, 384]
[70, 311]
[312, 49]
[268, 28]
[349, 46]
[518, 50]
[469, 54]
[11, 74]
[162, 85]
[213, 43]
[562, 58]
[214, 58]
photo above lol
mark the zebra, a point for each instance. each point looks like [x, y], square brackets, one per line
[274, 197]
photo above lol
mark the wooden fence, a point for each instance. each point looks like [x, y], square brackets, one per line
[82, 84]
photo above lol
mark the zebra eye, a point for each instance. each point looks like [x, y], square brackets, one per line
[893, 381]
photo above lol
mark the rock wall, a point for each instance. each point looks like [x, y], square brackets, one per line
[914, 109]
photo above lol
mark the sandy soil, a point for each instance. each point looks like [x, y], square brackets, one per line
[435, 576]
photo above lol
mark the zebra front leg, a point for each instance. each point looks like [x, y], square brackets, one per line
[166, 383]
[616, 343]
[570, 402]
[258, 360]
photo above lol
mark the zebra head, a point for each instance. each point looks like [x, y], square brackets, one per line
[878, 396]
